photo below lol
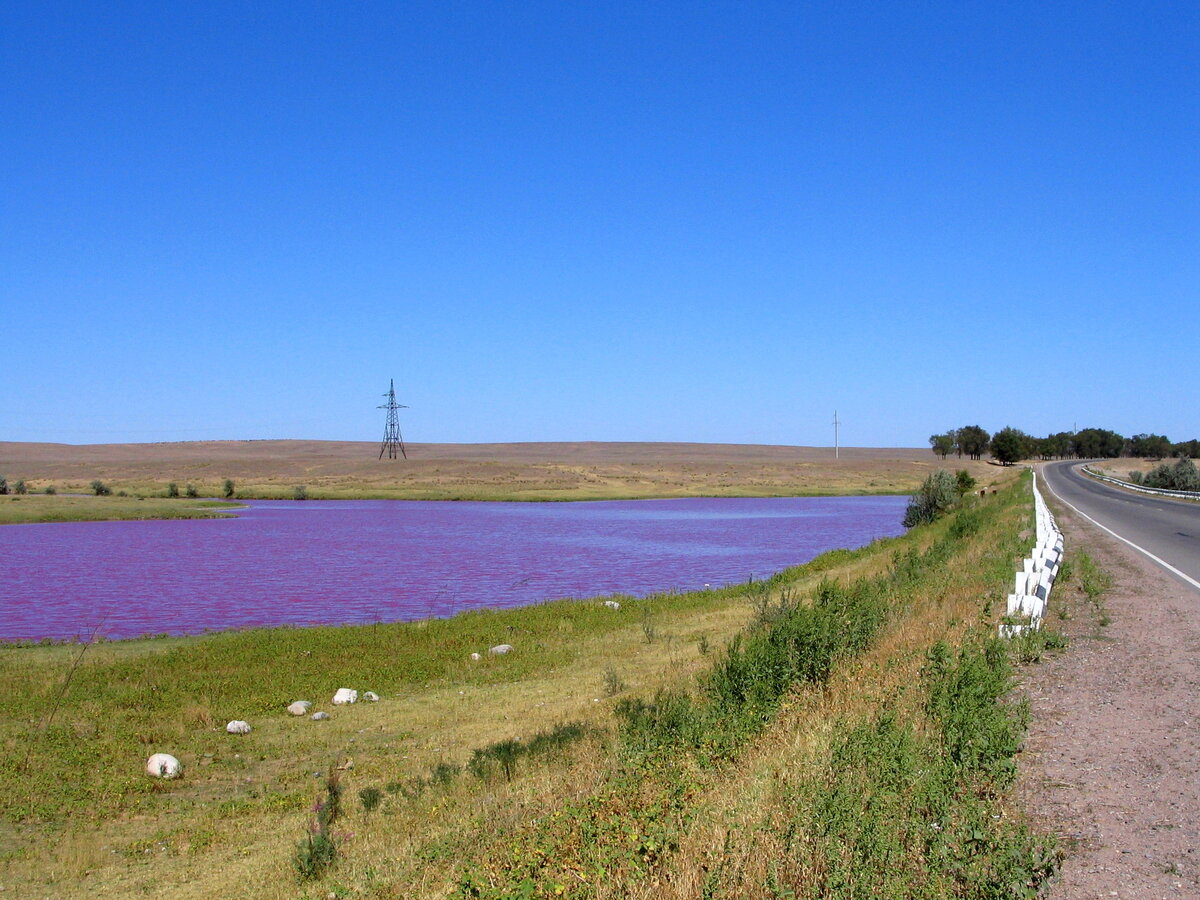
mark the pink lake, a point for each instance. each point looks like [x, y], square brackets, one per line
[362, 561]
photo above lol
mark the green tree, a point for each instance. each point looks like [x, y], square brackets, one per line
[942, 444]
[1010, 445]
[300, 492]
[228, 488]
[1097, 443]
[191, 490]
[973, 441]
[20, 487]
[3, 485]
[172, 489]
[100, 489]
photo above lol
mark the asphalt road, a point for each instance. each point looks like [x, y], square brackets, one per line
[1166, 529]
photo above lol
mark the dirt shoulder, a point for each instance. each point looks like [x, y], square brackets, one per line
[1113, 750]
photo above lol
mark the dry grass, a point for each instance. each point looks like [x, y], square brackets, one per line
[578, 471]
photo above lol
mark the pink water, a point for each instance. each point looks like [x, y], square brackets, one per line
[331, 562]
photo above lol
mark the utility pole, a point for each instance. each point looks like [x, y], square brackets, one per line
[392, 441]
[837, 452]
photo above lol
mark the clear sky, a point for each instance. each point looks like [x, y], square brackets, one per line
[606, 221]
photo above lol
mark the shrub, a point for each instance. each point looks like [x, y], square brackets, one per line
[1136, 477]
[314, 854]
[227, 489]
[613, 684]
[370, 798]
[20, 487]
[49, 489]
[172, 489]
[191, 490]
[963, 482]
[3, 485]
[936, 495]
[1180, 477]
[300, 492]
[100, 489]
[1184, 475]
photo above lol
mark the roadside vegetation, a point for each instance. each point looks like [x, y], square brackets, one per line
[837, 730]
[1179, 477]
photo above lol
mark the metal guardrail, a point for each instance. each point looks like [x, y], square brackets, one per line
[1141, 489]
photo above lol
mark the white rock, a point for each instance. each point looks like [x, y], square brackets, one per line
[237, 726]
[318, 716]
[612, 604]
[501, 649]
[300, 708]
[344, 696]
[371, 696]
[163, 765]
[475, 657]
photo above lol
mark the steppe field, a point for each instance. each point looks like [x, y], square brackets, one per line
[516, 471]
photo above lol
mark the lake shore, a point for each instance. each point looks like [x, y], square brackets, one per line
[773, 775]
[493, 472]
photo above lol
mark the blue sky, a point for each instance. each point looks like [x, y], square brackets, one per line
[643, 221]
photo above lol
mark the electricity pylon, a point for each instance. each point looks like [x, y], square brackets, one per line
[392, 441]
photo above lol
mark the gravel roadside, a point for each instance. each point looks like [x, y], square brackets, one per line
[1112, 756]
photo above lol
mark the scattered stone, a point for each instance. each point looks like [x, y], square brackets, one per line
[344, 696]
[475, 657]
[612, 604]
[371, 696]
[163, 765]
[501, 649]
[237, 726]
[300, 708]
[318, 716]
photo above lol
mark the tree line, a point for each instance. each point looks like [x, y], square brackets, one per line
[1010, 445]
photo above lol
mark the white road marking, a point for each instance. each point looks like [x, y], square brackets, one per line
[1162, 562]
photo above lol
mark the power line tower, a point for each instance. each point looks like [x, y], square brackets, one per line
[392, 441]
[837, 423]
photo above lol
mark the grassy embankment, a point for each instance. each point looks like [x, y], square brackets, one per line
[849, 743]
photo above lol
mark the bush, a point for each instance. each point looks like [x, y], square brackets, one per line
[191, 490]
[100, 489]
[20, 487]
[227, 489]
[314, 855]
[172, 489]
[3, 485]
[49, 489]
[963, 482]
[936, 495]
[300, 492]
[370, 798]
[1180, 477]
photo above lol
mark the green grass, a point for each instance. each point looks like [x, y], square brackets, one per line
[857, 709]
[32, 508]
[130, 696]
